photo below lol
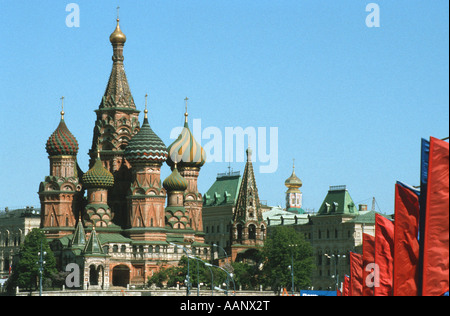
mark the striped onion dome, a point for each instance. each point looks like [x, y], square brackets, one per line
[98, 177]
[146, 146]
[175, 182]
[62, 142]
[185, 151]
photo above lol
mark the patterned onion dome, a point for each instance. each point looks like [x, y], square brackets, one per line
[185, 151]
[98, 177]
[175, 182]
[146, 146]
[62, 142]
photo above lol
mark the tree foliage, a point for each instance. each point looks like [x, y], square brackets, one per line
[284, 246]
[26, 271]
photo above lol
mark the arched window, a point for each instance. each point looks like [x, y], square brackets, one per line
[239, 231]
[252, 232]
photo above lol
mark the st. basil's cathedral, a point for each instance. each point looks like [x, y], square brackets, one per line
[113, 221]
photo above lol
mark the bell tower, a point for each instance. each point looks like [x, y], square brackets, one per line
[293, 194]
[249, 227]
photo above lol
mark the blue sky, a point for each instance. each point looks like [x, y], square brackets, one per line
[351, 103]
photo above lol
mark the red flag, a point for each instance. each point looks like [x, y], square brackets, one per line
[368, 264]
[436, 239]
[345, 289]
[356, 274]
[406, 244]
[384, 255]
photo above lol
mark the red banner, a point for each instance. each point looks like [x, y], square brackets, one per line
[356, 274]
[406, 244]
[368, 264]
[384, 254]
[436, 239]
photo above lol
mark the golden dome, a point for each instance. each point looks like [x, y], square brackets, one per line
[293, 182]
[117, 37]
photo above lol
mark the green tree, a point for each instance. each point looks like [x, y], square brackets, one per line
[171, 276]
[26, 271]
[284, 245]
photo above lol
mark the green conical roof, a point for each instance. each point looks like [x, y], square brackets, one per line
[175, 182]
[79, 237]
[146, 146]
[98, 177]
[93, 245]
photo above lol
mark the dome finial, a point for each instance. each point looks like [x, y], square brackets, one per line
[146, 111]
[117, 37]
[62, 108]
[186, 113]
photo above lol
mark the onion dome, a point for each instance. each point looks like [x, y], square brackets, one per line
[117, 37]
[185, 151]
[175, 182]
[62, 142]
[146, 146]
[98, 177]
[293, 182]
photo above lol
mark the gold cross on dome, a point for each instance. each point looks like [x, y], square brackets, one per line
[62, 107]
[186, 113]
[146, 111]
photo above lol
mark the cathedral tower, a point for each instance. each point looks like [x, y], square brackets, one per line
[146, 153]
[293, 194]
[97, 181]
[249, 228]
[117, 122]
[60, 192]
[189, 157]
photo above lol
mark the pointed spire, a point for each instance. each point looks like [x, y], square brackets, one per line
[93, 245]
[247, 201]
[117, 93]
[79, 237]
[249, 153]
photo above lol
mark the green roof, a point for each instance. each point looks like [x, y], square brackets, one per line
[367, 217]
[93, 246]
[224, 191]
[338, 202]
[112, 238]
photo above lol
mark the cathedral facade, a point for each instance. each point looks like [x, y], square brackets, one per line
[118, 221]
